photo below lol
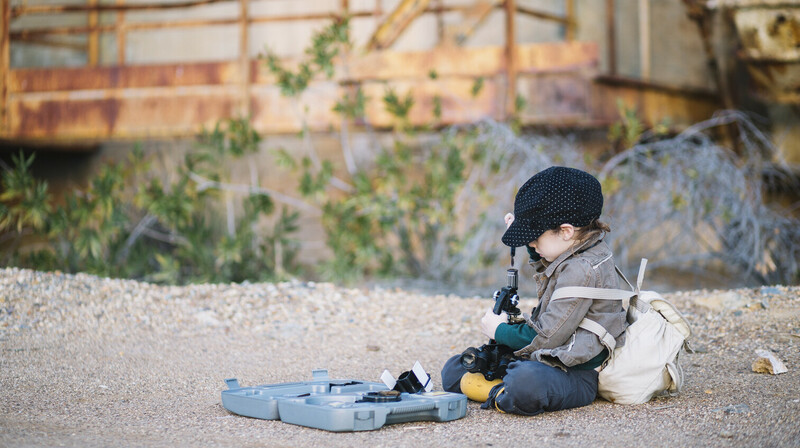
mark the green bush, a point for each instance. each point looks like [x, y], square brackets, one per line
[127, 223]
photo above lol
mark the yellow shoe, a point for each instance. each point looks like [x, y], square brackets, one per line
[495, 400]
[476, 387]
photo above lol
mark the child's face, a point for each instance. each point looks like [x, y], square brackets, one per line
[551, 244]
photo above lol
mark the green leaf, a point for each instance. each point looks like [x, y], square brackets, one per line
[437, 107]
[396, 106]
[477, 86]
[283, 159]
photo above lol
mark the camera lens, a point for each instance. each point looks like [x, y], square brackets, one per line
[512, 276]
[468, 359]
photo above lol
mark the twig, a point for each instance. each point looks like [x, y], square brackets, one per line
[170, 238]
[346, 150]
[141, 226]
[667, 406]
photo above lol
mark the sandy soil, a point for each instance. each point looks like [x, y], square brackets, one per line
[87, 361]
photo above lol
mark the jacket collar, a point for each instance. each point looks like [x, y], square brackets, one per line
[591, 241]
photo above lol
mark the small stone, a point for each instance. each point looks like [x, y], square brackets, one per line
[768, 363]
[740, 408]
[769, 291]
[726, 434]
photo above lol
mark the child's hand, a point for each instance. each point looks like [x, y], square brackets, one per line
[509, 218]
[490, 322]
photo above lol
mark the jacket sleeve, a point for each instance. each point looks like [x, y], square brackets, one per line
[515, 336]
[558, 321]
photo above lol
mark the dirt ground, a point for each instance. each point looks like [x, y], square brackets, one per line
[87, 361]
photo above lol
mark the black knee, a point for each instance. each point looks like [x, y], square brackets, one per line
[452, 373]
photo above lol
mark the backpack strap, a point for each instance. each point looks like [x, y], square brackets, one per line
[600, 331]
[626, 296]
[622, 276]
[586, 292]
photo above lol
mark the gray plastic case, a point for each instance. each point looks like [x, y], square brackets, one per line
[334, 405]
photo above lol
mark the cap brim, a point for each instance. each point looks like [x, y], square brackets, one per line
[519, 234]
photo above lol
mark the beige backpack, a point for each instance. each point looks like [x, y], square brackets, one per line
[647, 364]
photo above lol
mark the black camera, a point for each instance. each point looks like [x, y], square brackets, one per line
[506, 299]
[492, 359]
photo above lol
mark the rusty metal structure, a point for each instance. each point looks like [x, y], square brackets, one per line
[560, 81]
[768, 35]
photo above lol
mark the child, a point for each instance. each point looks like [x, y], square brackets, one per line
[556, 217]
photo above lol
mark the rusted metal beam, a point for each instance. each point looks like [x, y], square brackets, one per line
[670, 89]
[5, 63]
[698, 12]
[644, 38]
[440, 8]
[440, 35]
[451, 63]
[611, 38]
[128, 26]
[316, 16]
[457, 62]
[471, 63]
[653, 102]
[543, 15]
[121, 35]
[43, 41]
[511, 58]
[394, 25]
[90, 7]
[160, 113]
[108, 28]
[121, 7]
[753, 4]
[40, 80]
[104, 103]
[169, 112]
[93, 42]
[473, 18]
[569, 34]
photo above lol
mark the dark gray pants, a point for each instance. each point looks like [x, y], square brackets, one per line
[532, 387]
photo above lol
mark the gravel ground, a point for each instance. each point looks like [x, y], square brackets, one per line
[88, 361]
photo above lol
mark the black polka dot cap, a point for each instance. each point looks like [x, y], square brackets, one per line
[555, 196]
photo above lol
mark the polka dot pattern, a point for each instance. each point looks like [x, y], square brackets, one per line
[555, 196]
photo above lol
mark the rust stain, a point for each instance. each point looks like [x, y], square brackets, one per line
[93, 103]
[110, 112]
[117, 117]
[49, 118]
[770, 41]
[785, 30]
[749, 38]
[85, 78]
[654, 104]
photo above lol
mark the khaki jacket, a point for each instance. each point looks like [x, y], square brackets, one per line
[559, 342]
